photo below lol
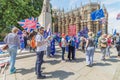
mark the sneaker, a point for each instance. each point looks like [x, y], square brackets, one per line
[41, 77]
[63, 61]
[13, 71]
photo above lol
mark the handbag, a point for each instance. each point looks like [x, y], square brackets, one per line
[5, 47]
[103, 45]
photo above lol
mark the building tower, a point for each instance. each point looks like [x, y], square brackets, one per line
[45, 17]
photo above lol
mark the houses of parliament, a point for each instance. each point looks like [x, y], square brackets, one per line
[80, 18]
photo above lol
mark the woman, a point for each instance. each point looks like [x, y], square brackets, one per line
[109, 43]
[103, 45]
[90, 49]
[12, 40]
[63, 45]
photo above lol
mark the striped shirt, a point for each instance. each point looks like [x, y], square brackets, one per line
[40, 38]
[12, 39]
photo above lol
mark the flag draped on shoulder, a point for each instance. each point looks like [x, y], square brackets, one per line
[97, 14]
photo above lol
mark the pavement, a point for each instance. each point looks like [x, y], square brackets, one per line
[55, 69]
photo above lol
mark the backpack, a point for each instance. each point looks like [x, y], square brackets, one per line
[72, 43]
[103, 43]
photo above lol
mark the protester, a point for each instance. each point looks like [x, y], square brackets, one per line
[13, 42]
[103, 45]
[89, 49]
[63, 45]
[117, 41]
[41, 47]
[22, 45]
[83, 43]
[109, 44]
[32, 43]
[71, 49]
[77, 42]
[25, 35]
[48, 53]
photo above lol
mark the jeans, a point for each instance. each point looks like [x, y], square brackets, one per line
[89, 55]
[63, 52]
[13, 52]
[48, 51]
[103, 50]
[71, 51]
[118, 49]
[39, 62]
[108, 51]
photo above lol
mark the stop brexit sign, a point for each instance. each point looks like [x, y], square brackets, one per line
[72, 30]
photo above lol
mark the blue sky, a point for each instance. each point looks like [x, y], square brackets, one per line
[113, 8]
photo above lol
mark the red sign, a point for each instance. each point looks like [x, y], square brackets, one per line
[72, 30]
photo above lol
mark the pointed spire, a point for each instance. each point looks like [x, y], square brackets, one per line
[63, 10]
[103, 6]
[76, 6]
[98, 1]
[81, 4]
[46, 6]
[90, 1]
[71, 8]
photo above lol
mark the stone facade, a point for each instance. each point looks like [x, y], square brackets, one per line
[45, 17]
[79, 17]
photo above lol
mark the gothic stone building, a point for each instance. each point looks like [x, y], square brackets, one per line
[80, 17]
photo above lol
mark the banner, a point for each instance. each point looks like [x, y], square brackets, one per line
[72, 30]
[29, 24]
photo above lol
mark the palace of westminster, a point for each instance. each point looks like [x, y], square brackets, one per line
[80, 17]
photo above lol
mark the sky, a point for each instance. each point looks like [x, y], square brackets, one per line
[112, 6]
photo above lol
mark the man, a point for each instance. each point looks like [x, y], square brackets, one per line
[63, 45]
[71, 48]
[117, 41]
[41, 47]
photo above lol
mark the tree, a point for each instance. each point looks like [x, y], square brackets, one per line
[12, 11]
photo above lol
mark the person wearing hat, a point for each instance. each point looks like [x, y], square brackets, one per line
[89, 49]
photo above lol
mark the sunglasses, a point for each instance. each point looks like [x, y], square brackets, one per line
[42, 30]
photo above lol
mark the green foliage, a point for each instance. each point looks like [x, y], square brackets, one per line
[12, 11]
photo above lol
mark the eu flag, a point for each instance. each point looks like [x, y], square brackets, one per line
[97, 14]
[115, 31]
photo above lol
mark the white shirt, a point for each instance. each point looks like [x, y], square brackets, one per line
[40, 38]
[63, 42]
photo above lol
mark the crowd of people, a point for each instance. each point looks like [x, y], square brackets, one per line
[38, 43]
